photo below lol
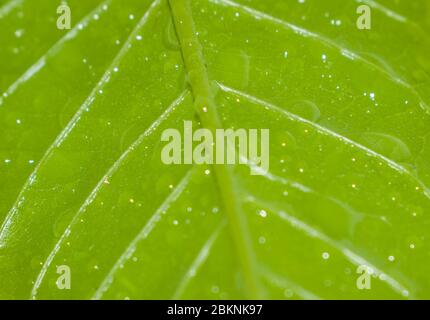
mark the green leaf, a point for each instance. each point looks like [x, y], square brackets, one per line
[27, 31]
[80, 167]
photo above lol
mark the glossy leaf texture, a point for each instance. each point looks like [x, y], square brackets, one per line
[82, 183]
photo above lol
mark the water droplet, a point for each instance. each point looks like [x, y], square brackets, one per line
[306, 109]
[19, 33]
[263, 213]
[328, 283]
[233, 66]
[388, 145]
[324, 57]
[288, 293]
[170, 38]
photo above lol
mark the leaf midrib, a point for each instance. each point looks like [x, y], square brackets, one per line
[204, 104]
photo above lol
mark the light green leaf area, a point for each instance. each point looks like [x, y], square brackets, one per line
[82, 183]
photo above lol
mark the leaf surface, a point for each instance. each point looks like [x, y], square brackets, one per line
[349, 173]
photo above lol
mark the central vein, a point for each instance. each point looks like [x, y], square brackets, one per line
[204, 103]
